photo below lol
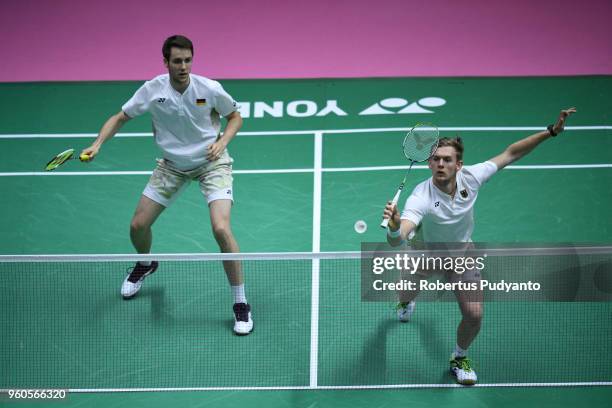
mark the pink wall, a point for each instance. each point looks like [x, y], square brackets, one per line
[121, 39]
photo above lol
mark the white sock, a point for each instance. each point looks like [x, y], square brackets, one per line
[459, 352]
[145, 263]
[238, 292]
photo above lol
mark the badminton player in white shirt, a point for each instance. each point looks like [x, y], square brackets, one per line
[441, 209]
[186, 111]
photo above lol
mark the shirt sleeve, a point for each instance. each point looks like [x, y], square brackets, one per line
[224, 103]
[414, 209]
[480, 173]
[139, 103]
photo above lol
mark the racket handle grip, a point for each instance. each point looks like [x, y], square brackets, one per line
[385, 222]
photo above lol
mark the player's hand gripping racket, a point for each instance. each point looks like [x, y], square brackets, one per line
[419, 145]
[63, 157]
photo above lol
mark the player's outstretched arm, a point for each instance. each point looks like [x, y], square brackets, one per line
[109, 129]
[519, 149]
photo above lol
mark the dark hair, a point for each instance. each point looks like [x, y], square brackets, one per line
[177, 41]
[455, 142]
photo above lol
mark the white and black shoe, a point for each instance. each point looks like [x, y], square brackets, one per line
[461, 368]
[405, 311]
[133, 282]
[243, 324]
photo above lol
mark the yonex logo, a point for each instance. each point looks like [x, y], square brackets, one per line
[228, 192]
[390, 106]
[308, 108]
[161, 100]
[296, 109]
[437, 204]
[463, 193]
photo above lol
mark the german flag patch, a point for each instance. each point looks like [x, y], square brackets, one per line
[200, 102]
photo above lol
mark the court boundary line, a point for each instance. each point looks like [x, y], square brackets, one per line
[316, 248]
[317, 171]
[300, 170]
[335, 387]
[309, 131]
[279, 256]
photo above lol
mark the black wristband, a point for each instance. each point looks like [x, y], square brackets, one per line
[551, 131]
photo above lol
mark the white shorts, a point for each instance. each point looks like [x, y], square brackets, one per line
[215, 178]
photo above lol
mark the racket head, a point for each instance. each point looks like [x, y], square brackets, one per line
[59, 159]
[421, 142]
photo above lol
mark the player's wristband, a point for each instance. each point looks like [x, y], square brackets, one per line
[393, 234]
[551, 131]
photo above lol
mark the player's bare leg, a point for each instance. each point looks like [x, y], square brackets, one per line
[141, 235]
[220, 211]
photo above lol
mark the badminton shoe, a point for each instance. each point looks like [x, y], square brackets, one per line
[133, 282]
[461, 368]
[404, 311]
[243, 323]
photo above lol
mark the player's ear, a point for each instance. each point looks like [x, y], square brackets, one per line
[166, 63]
[459, 164]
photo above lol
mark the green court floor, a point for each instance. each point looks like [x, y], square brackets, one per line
[560, 193]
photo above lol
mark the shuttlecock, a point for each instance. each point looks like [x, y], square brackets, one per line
[361, 227]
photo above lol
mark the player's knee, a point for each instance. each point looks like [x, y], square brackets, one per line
[222, 232]
[138, 225]
[473, 314]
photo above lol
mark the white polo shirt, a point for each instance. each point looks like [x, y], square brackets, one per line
[184, 125]
[444, 218]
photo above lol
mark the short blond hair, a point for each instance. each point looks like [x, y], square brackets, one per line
[455, 143]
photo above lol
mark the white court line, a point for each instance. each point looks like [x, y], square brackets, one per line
[272, 171]
[512, 167]
[335, 387]
[310, 132]
[75, 173]
[469, 128]
[265, 256]
[68, 135]
[289, 171]
[139, 173]
[316, 248]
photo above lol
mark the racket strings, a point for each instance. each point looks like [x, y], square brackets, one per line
[419, 145]
[421, 142]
